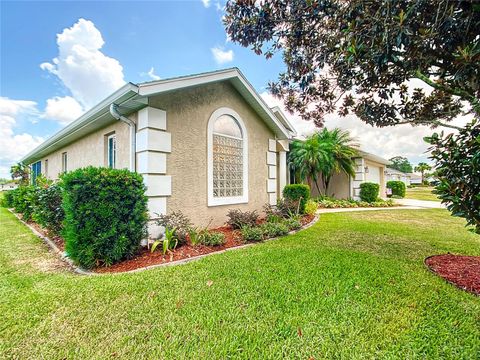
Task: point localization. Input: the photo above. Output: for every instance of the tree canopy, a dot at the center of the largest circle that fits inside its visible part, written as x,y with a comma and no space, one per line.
360,55
423,168
401,163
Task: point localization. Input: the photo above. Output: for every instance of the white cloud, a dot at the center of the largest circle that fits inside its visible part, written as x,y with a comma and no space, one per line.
63,109
14,146
405,140
222,56
152,74
206,3
88,73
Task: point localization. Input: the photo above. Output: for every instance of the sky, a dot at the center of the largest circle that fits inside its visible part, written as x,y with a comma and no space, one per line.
59,58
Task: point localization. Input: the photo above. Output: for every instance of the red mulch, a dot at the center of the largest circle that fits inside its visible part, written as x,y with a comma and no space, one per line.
146,258
461,271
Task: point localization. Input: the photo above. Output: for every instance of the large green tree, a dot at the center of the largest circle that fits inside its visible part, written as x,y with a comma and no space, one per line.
401,163
322,155
389,62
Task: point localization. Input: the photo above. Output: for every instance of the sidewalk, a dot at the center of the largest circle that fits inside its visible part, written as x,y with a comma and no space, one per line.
421,203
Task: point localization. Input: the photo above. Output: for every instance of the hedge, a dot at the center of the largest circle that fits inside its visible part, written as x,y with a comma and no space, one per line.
369,191
105,215
295,192
48,210
398,187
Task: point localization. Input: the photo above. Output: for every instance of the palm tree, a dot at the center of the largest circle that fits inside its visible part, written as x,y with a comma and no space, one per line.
422,167
323,153
341,153
21,172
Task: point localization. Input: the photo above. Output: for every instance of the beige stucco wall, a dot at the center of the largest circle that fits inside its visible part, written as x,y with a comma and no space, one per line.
188,112
338,188
91,150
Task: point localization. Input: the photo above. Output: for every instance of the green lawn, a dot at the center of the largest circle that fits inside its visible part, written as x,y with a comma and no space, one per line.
352,286
421,193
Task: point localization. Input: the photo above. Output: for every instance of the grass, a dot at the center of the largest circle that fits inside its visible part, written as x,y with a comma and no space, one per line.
421,193
352,286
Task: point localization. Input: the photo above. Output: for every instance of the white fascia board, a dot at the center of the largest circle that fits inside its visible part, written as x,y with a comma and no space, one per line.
84,120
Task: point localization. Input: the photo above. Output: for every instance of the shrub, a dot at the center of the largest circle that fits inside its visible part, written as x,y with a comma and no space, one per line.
284,209
7,199
238,219
398,188
274,229
311,207
24,200
177,221
252,233
369,191
293,223
212,238
105,215
299,193
48,210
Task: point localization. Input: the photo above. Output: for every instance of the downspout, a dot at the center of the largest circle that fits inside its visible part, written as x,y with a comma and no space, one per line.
132,126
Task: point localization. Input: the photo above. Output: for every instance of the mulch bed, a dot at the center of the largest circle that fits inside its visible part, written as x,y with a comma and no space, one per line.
461,271
146,258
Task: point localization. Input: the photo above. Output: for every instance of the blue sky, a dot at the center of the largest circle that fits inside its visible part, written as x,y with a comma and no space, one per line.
124,41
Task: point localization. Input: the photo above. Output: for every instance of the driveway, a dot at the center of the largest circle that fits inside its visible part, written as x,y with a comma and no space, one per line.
421,203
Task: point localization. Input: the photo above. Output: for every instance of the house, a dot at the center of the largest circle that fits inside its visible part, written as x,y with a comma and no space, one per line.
8,186
204,143
396,175
368,168
415,179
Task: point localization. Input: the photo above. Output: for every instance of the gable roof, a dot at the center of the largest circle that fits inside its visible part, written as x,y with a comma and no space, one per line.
372,157
132,97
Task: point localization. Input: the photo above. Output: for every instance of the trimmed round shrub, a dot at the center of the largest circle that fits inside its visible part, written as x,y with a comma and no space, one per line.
398,188
48,210
297,193
105,215
369,191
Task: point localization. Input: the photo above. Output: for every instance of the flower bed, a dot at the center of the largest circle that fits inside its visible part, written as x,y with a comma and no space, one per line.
330,203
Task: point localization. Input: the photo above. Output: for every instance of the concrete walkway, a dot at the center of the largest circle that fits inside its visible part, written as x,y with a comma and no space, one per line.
421,203
336,210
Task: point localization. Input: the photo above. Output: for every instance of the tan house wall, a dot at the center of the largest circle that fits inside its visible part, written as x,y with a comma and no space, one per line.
188,113
338,188
91,150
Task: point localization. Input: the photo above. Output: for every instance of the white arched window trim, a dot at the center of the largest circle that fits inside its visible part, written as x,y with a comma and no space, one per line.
216,201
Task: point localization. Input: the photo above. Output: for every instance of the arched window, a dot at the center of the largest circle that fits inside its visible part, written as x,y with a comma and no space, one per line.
227,159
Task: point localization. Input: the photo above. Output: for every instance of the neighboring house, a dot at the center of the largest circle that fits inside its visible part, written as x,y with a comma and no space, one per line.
204,143
415,179
8,186
369,168
396,175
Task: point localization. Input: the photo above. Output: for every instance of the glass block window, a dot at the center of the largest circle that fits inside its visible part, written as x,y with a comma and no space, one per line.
227,158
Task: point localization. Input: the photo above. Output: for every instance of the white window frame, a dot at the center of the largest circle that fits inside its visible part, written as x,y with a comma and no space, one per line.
217,201
112,136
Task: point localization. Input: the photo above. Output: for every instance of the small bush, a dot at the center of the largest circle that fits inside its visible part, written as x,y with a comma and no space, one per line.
284,209
177,221
252,233
48,210
398,188
24,200
7,199
311,207
212,238
105,215
238,219
297,193
293,223
274,229
369,191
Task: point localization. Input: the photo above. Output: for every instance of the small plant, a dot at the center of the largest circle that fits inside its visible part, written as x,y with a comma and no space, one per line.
238,219
7,200
212,238
169,242
311,207
398,188
252,233
369,191
293,223
178,221
274,229
298,193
